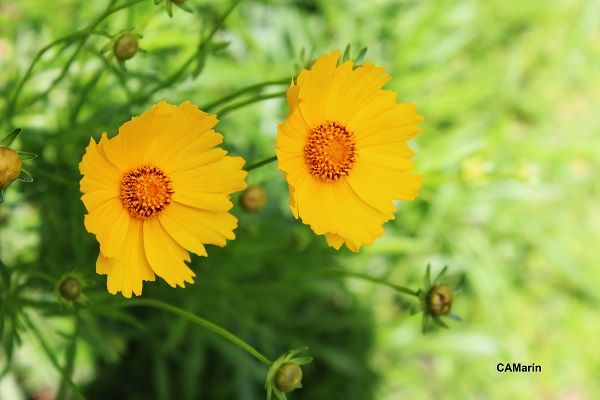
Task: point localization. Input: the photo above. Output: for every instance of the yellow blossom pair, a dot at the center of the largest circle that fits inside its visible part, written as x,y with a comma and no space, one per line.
159,188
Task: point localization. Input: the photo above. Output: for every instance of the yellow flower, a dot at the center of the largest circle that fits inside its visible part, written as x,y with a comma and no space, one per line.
155,190
343,151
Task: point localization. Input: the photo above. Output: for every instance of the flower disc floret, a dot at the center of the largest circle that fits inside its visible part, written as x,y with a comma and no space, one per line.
146,191
330,151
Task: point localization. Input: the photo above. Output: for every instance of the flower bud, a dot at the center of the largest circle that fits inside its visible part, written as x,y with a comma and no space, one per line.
126,47
440,300
10,166
253,199
70,288
288,377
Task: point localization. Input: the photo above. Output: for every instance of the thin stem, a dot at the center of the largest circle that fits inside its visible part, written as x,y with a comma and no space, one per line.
244,103
260,163
240,92
222,20
181,70
40,275
70,356
74,389
52,176
199,321
82,35
333,273
13,100
344,273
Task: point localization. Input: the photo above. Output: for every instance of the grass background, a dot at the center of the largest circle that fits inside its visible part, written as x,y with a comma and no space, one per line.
509,95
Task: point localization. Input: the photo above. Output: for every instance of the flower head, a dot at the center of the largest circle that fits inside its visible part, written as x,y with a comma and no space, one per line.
155,190
343,151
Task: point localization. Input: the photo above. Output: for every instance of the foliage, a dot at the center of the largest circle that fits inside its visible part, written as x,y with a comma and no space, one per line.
509,200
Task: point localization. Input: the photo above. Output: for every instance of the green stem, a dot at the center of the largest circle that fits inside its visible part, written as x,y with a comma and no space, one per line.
199,321
244,103
344,273
181,70
240,92
82,35
70,356
261,163
52,176
40,275
333,273
74,389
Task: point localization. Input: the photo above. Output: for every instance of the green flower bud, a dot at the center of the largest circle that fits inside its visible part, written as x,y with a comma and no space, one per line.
10,166
126,47
253,199
70,288
288,377
439,300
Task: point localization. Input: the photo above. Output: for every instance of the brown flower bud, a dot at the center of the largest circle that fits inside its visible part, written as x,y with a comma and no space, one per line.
10,166
440,300
126,47
253,199
288,377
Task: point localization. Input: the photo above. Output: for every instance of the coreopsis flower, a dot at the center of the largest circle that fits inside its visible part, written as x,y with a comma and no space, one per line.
156,191
343,151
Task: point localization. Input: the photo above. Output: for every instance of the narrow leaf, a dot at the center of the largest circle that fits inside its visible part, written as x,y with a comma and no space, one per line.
8,139
24,176
24,155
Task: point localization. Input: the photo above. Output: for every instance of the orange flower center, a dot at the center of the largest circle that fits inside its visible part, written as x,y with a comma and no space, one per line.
330,151
146,191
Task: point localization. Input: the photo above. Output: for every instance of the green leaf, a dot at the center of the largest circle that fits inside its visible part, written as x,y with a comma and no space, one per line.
439,321
346,55
441,275
185,7
24,155
360,58
8,139
169,8
427,280
24,176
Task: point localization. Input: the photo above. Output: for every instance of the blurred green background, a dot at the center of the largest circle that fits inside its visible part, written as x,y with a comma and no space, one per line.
509,92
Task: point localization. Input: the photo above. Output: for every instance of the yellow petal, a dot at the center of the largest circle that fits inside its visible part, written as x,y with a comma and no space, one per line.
314,88
97,170
208,227
165,255
292,96
109,222
180,231
390,126
334,208
334,240
126,274
368,179
223,176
